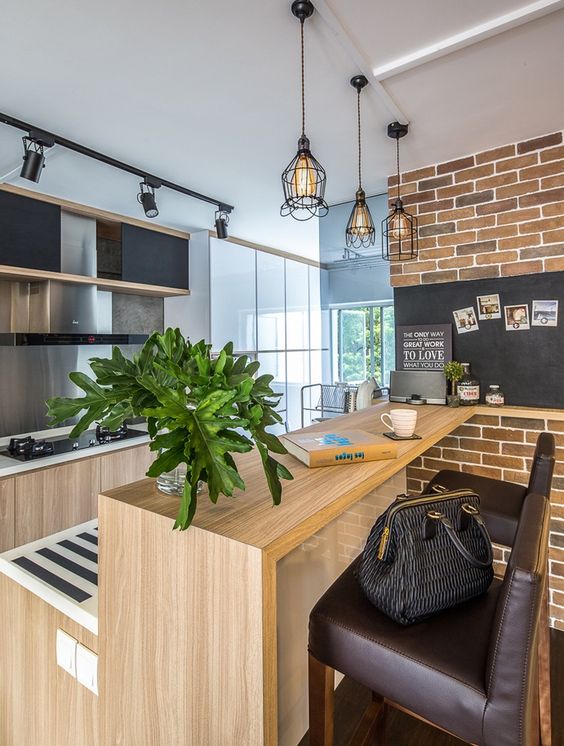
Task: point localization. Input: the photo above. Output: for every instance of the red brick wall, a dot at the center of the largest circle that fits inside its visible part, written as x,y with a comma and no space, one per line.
493,214
502,447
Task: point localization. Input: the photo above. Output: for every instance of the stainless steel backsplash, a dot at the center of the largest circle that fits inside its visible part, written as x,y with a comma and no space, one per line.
30,375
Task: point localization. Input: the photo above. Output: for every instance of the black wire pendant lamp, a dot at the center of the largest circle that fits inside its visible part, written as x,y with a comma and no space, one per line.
400,238
360,232
304,178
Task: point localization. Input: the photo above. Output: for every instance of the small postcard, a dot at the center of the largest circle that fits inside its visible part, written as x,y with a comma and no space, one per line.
489,307
516,318
544,313
465,320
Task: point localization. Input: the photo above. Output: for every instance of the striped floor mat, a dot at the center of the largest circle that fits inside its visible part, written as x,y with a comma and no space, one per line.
70,566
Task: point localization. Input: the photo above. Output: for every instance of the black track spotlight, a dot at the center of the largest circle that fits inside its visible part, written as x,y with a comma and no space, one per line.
221,222
34,156
146,196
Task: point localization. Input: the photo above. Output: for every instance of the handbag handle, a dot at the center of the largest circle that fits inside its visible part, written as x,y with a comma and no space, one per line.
433,517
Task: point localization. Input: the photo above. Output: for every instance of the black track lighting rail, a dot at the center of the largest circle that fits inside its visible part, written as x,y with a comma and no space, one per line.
50,138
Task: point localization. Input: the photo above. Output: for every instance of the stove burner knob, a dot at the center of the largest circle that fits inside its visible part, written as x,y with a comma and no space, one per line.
91,442
75,445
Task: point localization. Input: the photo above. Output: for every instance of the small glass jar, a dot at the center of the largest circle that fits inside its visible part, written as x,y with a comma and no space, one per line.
495,396
468,388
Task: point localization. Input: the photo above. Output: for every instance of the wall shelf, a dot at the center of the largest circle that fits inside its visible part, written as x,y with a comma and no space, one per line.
22,274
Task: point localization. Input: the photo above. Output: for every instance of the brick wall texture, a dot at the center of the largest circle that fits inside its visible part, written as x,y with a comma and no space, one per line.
502,447
493,214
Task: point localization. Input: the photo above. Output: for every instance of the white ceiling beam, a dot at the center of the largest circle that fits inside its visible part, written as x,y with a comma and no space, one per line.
10,170
467,38
363,66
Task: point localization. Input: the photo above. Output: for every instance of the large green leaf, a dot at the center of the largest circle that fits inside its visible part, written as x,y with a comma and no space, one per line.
200,410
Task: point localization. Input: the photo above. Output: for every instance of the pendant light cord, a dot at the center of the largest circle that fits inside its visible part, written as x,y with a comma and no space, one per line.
359,143
398,165
303,76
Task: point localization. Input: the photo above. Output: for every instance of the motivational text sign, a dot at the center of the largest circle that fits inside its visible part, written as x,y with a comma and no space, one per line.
426,347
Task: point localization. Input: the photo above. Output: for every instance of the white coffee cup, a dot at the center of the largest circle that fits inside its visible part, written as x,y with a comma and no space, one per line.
401,421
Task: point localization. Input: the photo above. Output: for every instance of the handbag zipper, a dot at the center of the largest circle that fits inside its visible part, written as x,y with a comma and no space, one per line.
420,500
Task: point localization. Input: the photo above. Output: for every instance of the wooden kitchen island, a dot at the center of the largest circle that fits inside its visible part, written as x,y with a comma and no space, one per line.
203,633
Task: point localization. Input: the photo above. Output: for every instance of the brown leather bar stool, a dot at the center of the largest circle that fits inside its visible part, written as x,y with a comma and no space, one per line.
500,505
471,671
501,502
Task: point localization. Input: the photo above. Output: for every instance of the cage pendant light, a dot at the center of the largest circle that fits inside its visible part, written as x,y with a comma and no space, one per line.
360,232
304,178
400,239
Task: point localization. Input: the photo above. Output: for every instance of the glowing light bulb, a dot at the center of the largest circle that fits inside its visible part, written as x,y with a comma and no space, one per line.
360,222
400,227
304,177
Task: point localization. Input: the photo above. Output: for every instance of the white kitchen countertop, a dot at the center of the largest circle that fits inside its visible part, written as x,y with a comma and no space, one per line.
70,561
10,466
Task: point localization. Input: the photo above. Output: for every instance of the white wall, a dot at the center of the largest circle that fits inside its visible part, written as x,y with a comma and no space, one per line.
191,313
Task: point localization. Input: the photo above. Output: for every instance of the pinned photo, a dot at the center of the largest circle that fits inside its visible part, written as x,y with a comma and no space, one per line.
489,307
516,318
544,313
465,320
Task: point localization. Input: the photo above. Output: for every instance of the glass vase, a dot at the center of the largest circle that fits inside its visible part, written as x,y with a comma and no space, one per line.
172,482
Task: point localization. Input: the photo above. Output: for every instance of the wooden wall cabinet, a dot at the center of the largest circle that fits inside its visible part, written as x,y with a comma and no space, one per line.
131,258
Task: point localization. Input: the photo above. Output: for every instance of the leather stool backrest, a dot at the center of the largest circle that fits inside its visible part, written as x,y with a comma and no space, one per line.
511,674
543,465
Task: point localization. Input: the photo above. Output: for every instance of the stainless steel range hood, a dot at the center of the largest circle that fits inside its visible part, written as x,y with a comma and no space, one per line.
57,313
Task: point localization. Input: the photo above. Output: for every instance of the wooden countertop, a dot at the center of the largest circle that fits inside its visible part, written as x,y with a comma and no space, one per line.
315,496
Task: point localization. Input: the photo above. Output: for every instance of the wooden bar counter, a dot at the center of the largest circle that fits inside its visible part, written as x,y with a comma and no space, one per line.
203,633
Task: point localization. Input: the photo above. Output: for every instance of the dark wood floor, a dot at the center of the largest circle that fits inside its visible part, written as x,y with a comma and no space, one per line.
402,730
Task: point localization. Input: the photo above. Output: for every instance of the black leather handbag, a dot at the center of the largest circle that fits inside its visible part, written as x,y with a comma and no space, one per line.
426,553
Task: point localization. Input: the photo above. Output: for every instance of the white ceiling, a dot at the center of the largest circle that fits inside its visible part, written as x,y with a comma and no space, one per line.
207,94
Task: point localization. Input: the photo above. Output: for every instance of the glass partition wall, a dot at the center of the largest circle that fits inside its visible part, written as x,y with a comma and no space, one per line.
269,306
357,299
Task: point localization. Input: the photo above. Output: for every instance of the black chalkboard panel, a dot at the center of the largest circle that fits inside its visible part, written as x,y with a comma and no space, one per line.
527,364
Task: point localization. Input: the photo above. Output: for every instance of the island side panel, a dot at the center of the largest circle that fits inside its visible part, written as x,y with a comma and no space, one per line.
40,703
180,633
303,576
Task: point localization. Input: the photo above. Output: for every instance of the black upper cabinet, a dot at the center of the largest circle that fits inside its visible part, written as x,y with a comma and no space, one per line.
30,233
154,258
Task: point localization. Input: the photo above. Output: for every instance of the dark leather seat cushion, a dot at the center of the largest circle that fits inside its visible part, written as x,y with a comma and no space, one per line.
431,667
500,502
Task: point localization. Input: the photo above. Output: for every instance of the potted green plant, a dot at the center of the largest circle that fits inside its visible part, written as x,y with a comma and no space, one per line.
453,372
200,409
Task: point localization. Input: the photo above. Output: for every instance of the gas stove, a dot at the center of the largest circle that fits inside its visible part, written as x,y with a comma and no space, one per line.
27,448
